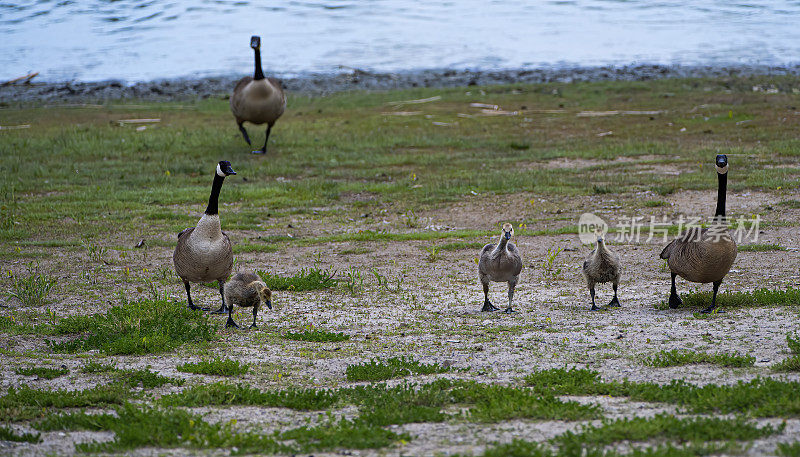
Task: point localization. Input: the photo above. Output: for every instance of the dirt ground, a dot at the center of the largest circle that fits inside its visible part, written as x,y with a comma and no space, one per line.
431,311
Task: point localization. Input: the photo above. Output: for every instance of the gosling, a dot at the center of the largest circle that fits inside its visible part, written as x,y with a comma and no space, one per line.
248,291
600,267
500,263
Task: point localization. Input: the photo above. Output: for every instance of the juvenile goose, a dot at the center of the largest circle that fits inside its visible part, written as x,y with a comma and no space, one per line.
600,267
500,263
703,255
258,99
246,290
204,253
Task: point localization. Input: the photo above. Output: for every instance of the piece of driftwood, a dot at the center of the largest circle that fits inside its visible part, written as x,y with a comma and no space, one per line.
23,79
137,121
415,102
15,127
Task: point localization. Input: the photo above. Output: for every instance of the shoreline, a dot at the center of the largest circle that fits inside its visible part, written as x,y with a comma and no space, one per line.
316,84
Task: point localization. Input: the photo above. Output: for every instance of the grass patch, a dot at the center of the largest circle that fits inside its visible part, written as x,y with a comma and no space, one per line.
136,328
395,367
761,397
42,372
306,279
758,297
318,336
680,357
145,378
667,426
23,396
655,203
33,289
7,434
98,367
239,394
791,363
788,449
758,247
215,367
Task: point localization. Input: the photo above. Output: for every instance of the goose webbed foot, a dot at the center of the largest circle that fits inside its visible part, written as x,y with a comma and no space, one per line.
194,307
222,310
231,323
509,310
614,303
253,325
260,151
488,307
713,309
595,308
675,301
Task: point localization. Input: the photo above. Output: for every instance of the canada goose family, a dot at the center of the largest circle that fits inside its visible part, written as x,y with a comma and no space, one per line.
704,255
500,263
204,253
246,290
257,99
600,267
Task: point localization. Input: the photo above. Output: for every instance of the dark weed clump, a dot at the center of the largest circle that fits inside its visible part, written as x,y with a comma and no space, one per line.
42,372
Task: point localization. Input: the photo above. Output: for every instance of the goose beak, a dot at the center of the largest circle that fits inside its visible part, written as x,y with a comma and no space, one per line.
255,42
722,160
508,235
269,304
228,170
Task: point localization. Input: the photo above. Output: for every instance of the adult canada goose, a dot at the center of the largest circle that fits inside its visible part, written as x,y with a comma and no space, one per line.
600,267
258,99
704,255
246,290
204,253
500,263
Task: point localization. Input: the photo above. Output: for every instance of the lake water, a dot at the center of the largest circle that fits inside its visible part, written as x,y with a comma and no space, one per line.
143,40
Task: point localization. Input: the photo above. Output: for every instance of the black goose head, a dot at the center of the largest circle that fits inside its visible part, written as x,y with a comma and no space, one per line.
255,42
224,169
722,164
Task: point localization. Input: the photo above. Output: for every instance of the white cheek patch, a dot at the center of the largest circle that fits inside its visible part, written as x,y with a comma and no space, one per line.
219,171
722,170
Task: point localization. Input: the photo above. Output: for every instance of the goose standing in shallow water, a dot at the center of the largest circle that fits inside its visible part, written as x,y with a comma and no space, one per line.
500,263
704,255
246,290
600,267
257,99
204,252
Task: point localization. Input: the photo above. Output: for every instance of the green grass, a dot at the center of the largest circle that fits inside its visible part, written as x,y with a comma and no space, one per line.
667,426
680,357
754,298
655,203
788,449
791,363
215,367
31,289
311,278
24,396
757,247
98,367
239,394
42,372
7,434
318,336
761,397
394,367
135,328
145,378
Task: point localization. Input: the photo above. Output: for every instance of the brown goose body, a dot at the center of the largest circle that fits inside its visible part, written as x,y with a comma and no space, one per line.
246,290
500,262
602,266
701,255
259,101
204,253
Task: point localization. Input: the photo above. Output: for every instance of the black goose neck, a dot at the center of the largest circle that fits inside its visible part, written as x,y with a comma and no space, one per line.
213,200
503,243
259,74
721,192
